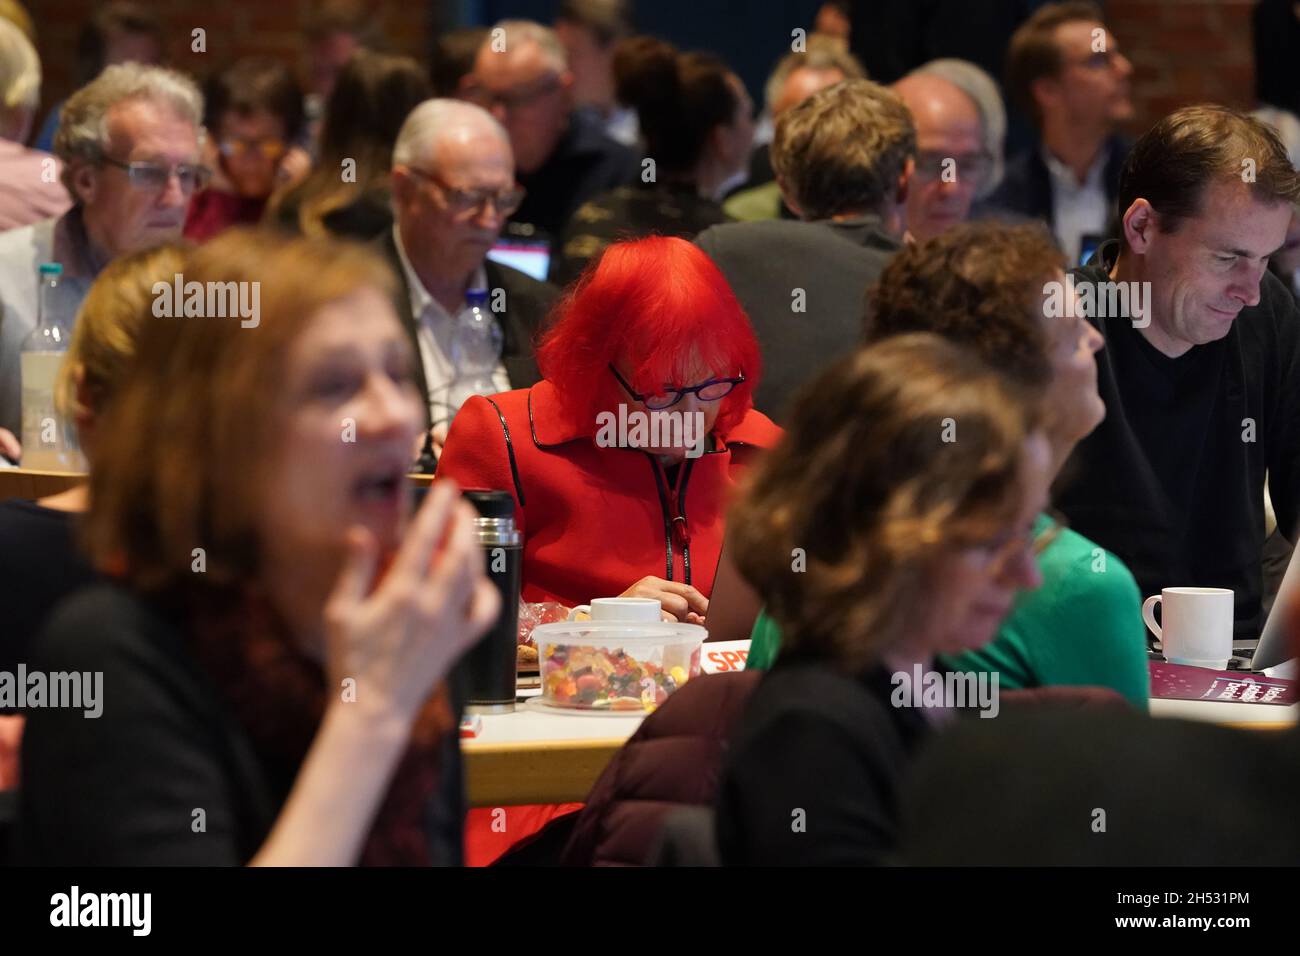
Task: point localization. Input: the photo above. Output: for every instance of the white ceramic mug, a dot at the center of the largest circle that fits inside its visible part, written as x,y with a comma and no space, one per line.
620,609
1197,625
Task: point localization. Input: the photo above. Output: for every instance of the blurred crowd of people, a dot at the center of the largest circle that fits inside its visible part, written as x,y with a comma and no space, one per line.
471,260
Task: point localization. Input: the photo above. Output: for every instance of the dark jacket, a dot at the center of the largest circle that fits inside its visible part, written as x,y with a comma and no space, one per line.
631,212
1103,789
1026,188
811,776
527,304
584,164
673,760
1172,481
803,285
40,565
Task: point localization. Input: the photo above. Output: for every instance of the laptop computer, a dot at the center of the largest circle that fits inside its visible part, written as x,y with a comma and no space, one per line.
1274,645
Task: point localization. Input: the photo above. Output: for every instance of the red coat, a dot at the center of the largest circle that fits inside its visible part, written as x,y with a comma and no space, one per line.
596,520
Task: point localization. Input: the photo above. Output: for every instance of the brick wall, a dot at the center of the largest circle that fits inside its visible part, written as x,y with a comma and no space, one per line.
1185,51
1182,50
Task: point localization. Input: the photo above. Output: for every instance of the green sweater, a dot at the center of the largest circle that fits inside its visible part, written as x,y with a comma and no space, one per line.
1082,627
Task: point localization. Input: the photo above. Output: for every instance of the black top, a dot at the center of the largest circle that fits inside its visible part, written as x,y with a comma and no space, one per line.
365,218
630,212
815,740
803,285
1026,790
39,566
584,164
893,37
123,788
1173,480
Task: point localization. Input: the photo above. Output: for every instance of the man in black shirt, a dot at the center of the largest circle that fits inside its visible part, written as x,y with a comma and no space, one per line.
1201,364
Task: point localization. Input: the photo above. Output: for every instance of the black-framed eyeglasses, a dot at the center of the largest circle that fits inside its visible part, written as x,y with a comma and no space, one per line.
464,201
154,176
710,391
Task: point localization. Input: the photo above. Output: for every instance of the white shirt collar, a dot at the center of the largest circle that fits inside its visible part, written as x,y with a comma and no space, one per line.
421,299
1063,176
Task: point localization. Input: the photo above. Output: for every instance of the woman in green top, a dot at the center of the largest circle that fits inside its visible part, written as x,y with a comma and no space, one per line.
989,287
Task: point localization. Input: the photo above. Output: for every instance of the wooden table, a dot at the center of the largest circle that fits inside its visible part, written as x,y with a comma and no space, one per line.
530,757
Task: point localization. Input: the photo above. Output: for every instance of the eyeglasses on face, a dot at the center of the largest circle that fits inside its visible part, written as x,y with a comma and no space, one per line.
932,165
239,148
155,176
1099,60
463,202
517,98
710,391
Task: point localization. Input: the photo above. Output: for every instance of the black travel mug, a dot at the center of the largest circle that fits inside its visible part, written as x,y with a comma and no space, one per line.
490,667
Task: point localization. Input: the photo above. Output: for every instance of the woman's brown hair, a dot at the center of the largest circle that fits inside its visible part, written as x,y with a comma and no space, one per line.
892,457
680,99
978,284
374,94
188,438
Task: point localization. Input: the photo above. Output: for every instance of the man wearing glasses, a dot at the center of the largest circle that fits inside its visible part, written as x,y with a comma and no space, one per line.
130,146
953,162
1065,71
521,76
453,189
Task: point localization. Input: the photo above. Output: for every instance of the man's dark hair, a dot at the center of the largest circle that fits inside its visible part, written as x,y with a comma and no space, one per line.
251,85
120,16
453,58
1175,160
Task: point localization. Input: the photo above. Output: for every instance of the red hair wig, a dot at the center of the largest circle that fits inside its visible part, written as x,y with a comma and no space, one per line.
660,310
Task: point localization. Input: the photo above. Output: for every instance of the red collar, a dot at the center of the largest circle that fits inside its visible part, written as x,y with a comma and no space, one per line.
552,424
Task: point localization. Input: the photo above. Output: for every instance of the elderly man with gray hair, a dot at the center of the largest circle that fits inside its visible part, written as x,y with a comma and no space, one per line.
130,145
521,75
958,148
453,185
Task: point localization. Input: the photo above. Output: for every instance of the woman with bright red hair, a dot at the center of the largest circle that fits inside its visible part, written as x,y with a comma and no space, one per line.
623,459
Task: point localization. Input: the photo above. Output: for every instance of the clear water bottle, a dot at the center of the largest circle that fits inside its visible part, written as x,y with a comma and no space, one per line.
476,343
49,441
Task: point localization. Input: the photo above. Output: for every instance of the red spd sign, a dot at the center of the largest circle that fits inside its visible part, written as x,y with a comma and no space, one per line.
724,656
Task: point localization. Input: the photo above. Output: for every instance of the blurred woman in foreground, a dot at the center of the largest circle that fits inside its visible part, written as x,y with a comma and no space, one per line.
264,700
908,482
